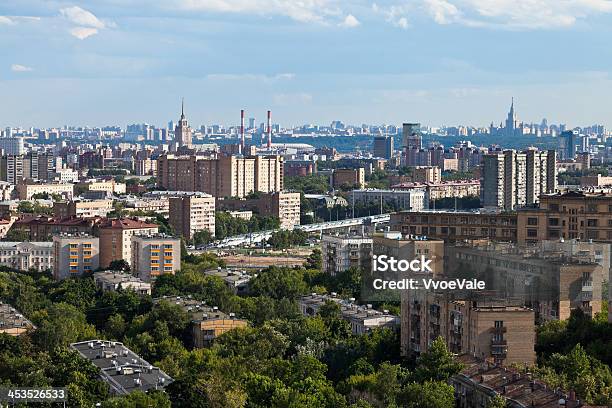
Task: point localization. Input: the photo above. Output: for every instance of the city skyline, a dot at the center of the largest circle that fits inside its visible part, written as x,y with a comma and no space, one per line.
441,62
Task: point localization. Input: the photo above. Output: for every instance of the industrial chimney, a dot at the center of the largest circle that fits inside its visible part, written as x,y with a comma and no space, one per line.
242,131
269,130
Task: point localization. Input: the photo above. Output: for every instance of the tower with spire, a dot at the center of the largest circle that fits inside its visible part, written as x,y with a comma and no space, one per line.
511,121
182,131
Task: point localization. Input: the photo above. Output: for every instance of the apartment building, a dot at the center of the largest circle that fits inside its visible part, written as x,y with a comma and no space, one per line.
27,189
551,284
353,178
112,281
383,147
409,200
116,238
207,322
192,212
362,318
42,228
484,327
443,189
340,252
283,205
225,176
108,186
426,174
155,255
454,226
511,179
394,244
572,215
74,255
82,208
26,256
12,322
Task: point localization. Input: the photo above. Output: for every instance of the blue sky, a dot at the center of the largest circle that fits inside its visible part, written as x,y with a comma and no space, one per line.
440,62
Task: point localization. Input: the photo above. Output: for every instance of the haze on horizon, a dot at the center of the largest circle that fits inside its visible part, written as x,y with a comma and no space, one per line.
439,62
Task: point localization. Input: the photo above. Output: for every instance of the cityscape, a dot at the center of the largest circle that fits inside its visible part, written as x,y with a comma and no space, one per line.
363,261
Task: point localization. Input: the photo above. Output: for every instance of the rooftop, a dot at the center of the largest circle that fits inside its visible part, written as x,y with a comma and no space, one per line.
197,309
121,368
11,321
126,223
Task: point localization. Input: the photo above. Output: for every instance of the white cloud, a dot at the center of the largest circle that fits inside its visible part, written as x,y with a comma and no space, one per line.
350,21
287,99
6,20
299,10
395,14
81,17
83,32
21,68
442,11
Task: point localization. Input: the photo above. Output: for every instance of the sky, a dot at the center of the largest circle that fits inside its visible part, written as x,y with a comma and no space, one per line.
437,62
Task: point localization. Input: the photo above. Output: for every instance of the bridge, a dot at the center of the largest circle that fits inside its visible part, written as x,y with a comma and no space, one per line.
258,237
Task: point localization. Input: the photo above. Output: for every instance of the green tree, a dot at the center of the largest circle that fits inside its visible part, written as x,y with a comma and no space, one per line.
430,394
497,402
60,325
436,364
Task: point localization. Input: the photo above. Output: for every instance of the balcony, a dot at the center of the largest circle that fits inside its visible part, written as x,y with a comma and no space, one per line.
499,342
497,330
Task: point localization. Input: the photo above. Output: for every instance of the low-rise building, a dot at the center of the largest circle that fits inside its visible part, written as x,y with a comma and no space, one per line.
115,238
155,255
109,186
158,205
363,319
12,322
42,228
402,200
480,381
443,189
123,370
242,214
208,322
426,174
28,189
82,208
74,255
112,281
340,252
26,256
236,281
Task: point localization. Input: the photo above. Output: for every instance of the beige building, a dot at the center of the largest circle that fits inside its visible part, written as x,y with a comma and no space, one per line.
26,256
243,215
110,186
82,208
74,255
595,181
283,205
112,281
393,244
550,284
145,167
115,238
489,329
427,174
192,212
348,177
12,322
27,190
155,255
225,176
444,189
208,322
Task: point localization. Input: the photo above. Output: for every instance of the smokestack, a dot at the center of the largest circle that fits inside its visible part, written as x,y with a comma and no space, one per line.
242,131
269,130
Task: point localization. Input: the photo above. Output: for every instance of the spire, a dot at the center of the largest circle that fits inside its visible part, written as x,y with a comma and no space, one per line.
183,108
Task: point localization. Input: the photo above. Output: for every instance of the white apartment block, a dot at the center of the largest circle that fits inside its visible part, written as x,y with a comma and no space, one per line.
27,255
342,252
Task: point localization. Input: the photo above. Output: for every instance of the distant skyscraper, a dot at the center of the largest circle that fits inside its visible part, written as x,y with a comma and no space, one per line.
182,131
411,137
567,144
251,123
511,121
383,146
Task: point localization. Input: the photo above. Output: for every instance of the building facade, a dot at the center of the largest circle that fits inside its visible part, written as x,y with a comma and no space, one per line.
342,252
74,255
116,238
155,255
190,213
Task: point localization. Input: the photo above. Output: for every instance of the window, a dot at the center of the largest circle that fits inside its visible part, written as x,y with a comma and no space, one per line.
591,222
499,324
532,233
532,221
553,222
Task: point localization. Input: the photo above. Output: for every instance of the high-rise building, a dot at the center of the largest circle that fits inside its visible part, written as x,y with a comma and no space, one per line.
283,205
190,213
511,121
182,131
511,179
348,177
567,144
155,255
339,253
115,238
12,145
412,141
226,176
74,254
383,146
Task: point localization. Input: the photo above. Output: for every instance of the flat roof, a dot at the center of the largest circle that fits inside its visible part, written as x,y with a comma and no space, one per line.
10,318
122,369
